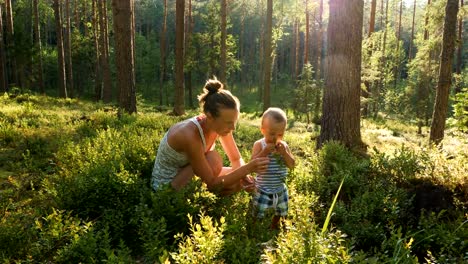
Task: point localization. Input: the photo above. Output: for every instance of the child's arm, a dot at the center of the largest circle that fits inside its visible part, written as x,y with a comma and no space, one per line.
283,149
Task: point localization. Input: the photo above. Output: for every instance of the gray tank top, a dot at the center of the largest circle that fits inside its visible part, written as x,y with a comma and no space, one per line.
168,161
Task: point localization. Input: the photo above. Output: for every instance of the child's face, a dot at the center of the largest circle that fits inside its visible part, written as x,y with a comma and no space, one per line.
273,131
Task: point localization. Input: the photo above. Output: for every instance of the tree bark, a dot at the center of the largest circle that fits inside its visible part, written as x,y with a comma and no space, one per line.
410,49
396,69
62,80
162,50
445,73
179,100
341,101
68,50
3,72
458,87
188,44
306,40
123,14
268,58
222,74
10,44
37,44
298,46
366,93
104,52
97,65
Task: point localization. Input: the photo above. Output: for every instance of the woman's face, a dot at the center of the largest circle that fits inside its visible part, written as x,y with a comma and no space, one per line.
225,123
273,131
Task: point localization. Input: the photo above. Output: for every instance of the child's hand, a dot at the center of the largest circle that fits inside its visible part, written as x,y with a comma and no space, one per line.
281,147
269,148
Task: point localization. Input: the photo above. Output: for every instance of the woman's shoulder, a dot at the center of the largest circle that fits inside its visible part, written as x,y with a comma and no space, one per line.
183,133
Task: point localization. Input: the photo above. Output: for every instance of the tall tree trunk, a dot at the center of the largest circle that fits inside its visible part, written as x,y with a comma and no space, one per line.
445,73
188,44
10,43
396,69
242,57
97,65
68,50
222,74
104,44
85,17
179,100
341,106
162,50
306,40
410,49
318,73
37,44
123,14
62,80
366,93
459,49
298,46
76,14
422,93
383,64
268,55
3,71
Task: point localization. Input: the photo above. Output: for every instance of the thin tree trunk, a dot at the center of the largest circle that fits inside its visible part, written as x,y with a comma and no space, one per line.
188,44
341,106
222,74
376,95
106,74
37,43
162,50
97,65
62,80
366,93
3,72
242,57
298,46
318,74
410,49
459,50
268,55
306,41
445,73
85,17
68,50
10,43
396,69
422,86
179,108
123,14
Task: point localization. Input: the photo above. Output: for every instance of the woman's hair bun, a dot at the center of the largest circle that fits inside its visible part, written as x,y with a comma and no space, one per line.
213,86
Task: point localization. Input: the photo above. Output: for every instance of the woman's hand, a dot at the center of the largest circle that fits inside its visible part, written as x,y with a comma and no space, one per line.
259,165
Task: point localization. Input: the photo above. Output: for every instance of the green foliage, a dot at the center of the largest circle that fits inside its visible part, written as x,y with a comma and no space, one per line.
308,94
460,109
74,185
204,243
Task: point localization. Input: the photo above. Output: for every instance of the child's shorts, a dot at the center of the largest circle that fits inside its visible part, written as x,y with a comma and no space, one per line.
277,201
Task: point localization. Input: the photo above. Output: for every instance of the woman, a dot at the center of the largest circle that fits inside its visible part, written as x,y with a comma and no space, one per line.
187,149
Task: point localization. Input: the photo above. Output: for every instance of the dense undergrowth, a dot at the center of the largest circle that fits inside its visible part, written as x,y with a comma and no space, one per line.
74,188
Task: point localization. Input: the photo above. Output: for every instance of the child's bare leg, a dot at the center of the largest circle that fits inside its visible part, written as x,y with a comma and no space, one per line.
275,222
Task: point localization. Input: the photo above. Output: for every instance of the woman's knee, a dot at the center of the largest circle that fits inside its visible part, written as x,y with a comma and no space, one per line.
215,160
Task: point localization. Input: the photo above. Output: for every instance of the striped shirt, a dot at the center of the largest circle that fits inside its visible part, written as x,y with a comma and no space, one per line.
272,181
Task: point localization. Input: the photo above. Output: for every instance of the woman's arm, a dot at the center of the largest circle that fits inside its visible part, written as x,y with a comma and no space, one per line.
202,168
230,148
